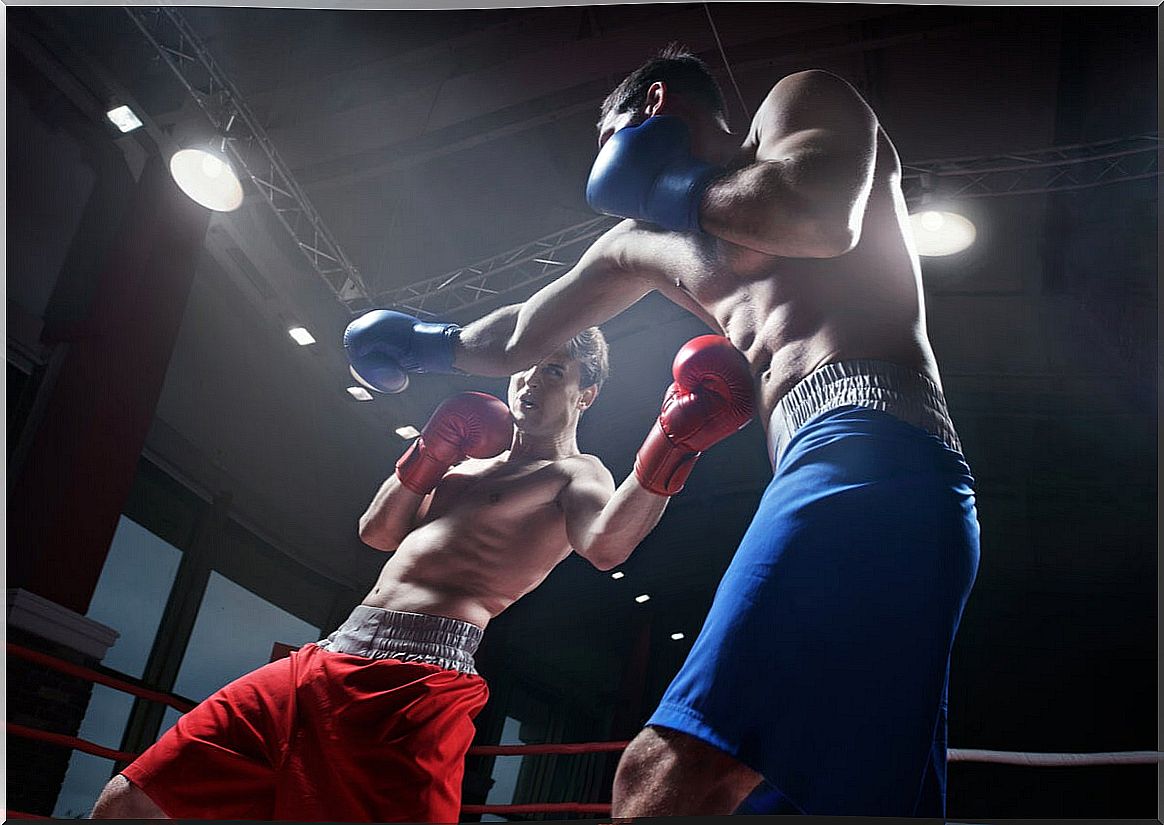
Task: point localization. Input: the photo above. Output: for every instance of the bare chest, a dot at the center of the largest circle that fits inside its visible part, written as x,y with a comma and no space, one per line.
499,496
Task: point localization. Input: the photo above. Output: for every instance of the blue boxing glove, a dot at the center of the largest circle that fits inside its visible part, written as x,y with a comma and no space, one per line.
646,172
383,346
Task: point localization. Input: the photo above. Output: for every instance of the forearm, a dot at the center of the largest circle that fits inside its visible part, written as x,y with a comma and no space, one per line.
485,347
391,515
763,207
596,289
624,522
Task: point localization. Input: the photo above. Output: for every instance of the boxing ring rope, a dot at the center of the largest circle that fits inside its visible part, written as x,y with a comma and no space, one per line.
1018,758
70,669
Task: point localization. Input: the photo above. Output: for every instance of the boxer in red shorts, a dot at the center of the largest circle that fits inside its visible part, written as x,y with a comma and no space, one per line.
373,722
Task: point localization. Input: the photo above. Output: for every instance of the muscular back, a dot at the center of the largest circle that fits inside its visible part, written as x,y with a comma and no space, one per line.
491,532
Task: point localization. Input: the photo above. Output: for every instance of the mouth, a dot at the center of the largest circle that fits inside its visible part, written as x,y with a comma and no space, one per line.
527,403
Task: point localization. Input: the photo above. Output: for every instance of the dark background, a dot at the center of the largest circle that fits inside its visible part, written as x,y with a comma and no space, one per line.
428,141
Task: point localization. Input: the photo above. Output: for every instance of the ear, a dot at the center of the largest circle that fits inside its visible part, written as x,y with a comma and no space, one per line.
587,397
656,98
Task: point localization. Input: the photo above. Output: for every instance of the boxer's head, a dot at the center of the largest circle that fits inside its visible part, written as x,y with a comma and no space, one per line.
675,83
554,392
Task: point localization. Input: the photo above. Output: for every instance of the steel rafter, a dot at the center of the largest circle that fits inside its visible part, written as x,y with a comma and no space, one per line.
1057,169
445,295
246,142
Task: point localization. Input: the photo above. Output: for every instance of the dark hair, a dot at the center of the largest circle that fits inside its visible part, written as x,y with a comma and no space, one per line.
589,349
682,71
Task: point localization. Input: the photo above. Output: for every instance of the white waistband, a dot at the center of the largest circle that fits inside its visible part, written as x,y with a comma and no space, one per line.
376,633
878,385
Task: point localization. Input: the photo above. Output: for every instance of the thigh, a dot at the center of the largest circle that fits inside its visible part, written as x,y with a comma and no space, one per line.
380,740
822,663
219,760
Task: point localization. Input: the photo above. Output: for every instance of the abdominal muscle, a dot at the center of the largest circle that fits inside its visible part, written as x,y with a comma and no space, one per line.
463,567
791,316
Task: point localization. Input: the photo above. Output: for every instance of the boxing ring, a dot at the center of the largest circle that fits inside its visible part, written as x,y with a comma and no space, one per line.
597,809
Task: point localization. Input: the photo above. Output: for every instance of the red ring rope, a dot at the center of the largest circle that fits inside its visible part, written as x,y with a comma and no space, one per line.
51,662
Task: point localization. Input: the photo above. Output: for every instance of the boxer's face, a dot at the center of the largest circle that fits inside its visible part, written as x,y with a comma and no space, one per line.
546,396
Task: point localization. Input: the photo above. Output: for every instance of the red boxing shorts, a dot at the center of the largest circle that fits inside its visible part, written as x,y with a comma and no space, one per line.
370,724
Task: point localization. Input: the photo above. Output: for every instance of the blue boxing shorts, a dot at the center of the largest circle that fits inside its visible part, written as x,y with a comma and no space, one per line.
824,661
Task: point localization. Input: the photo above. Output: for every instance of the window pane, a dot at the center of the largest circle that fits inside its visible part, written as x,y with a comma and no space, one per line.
505,771
132,592
130,597
233,634
104,724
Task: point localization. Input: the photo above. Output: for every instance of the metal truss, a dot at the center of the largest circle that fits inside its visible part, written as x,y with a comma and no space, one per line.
1059,169
246,142
1056,169
445,295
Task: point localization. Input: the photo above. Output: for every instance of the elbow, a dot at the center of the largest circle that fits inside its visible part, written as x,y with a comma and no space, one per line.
376,539
836,240
604,557
830,237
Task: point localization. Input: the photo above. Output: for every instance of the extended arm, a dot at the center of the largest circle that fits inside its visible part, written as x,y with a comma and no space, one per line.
600,286
805,195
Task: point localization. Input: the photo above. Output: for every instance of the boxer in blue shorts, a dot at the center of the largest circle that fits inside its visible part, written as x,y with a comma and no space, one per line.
830,634
820,675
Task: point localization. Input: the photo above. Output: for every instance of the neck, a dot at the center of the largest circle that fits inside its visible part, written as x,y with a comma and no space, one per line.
549,447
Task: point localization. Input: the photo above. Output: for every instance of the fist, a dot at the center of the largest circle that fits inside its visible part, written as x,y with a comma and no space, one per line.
712,395
711,398
468,425
647,172
383,346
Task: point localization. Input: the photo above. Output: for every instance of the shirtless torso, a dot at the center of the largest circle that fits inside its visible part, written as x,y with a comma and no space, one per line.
790,316
490,533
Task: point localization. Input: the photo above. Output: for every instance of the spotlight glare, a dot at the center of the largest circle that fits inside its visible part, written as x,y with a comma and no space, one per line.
941,233
207,178
124,119
359,393
302,337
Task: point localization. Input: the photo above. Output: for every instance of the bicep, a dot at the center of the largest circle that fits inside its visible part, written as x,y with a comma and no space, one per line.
583,499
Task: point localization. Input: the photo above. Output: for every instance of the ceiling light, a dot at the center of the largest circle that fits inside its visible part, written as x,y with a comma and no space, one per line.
939,232
642,598
302,337
676,637
123,118
208,178
617,574
359,393
407,431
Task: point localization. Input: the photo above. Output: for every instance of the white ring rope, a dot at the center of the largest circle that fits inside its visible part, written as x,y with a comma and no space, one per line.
1043,760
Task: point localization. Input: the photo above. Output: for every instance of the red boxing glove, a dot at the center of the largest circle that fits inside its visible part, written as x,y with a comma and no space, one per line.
711,398
470,424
